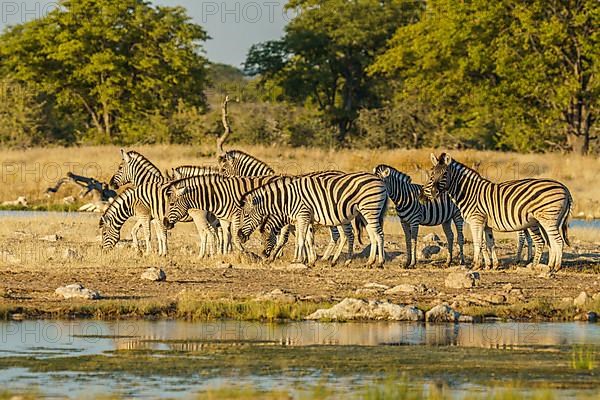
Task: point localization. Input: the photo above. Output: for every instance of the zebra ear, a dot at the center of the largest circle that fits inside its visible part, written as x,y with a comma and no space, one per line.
434,160
101,223
446,159
385,172
181,191
124,155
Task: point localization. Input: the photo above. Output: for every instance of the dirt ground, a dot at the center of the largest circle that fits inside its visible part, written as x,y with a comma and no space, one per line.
33,266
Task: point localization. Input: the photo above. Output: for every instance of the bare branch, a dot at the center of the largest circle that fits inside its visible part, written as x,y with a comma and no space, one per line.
226,126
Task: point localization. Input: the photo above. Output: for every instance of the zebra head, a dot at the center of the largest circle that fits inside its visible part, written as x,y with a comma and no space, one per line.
110,234
437,181
123,174
253,214
178,208
136,169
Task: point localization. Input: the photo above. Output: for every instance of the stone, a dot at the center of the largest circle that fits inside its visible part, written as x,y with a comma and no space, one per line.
20,201
365,292
77,291
296,267
430,250
377,286
466,319
442,313
581,299
69,200
50,238
462,280
402,289
154,274
279,295
356,309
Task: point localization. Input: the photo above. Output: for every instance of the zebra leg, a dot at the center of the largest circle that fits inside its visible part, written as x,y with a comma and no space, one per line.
310,245
539,243
134,232
520,243
334,235
555,242
489,240
161,237
147,235
349,232
408,240
459,223
226,245
414,234
375,232
447,227
301,230
281,241
477,233
529,244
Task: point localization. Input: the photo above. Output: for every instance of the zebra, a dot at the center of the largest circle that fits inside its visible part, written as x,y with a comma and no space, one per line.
124,206
412,213
541,205
217,194
238,163
187,171
326,200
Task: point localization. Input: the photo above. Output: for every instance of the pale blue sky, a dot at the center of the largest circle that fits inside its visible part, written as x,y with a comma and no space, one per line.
234,25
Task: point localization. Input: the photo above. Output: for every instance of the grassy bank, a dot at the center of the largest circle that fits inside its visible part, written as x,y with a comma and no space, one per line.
29,172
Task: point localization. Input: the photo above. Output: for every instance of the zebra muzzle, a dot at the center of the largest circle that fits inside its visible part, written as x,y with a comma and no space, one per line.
168,224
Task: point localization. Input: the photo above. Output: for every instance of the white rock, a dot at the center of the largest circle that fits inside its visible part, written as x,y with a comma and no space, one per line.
69,200
442,313
279,295
372,285
50,238
402,289
154,274
77,291
581,299
20,201
462,280
356,309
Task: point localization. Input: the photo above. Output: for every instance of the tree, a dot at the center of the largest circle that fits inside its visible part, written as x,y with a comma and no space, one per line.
503,74
324,54
20,115
119,60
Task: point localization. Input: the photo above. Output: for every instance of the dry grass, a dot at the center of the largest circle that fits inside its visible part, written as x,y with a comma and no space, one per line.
30,172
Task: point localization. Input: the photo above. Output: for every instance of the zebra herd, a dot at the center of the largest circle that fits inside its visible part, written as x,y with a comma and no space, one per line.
227,203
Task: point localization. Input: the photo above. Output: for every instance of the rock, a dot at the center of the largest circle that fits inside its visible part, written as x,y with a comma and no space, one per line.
377,286
296,267
442,313
154,274
462,280
466,318
69,200
51,238
278,295
402,289
356,309
20,201
77,291
70,254
9,258
430,250
581,299
431,237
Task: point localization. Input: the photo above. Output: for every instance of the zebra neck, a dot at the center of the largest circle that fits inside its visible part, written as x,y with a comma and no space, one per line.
464,185
406,194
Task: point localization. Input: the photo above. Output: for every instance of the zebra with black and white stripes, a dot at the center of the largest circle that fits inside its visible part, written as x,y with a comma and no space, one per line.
187,171
217,194
325,200
412,213
541,205
124,206
238,163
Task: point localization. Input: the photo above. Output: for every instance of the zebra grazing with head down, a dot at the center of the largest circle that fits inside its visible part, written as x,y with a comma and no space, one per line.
238,163
326,200
412,213
139,171
541,205
217,194
123,207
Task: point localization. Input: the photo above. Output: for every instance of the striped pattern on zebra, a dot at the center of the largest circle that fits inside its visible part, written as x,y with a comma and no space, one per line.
542,205
238,163
123,207
217,194
325,200
187,171
412,213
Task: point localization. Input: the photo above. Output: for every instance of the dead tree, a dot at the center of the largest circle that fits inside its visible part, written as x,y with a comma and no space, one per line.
87,185
224,119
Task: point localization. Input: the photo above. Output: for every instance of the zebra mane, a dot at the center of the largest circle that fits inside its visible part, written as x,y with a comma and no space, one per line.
235,154
145,163
394,173
458,166
116,204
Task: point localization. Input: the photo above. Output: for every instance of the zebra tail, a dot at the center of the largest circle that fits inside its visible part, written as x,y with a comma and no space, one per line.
565,222
358,224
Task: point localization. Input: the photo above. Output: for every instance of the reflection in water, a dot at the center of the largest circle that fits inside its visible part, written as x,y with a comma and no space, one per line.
51,338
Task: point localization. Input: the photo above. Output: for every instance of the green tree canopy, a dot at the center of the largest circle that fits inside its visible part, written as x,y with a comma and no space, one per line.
325,51
114,61
505,74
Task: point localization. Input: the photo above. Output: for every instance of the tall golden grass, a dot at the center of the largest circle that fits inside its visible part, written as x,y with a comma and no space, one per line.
29,172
